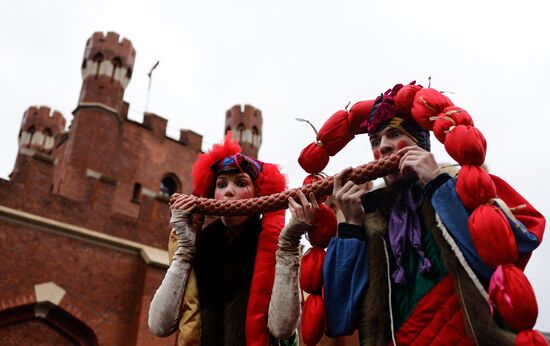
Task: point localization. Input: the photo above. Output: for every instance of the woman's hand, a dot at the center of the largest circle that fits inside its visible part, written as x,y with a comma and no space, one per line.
181,207
305,211
183,202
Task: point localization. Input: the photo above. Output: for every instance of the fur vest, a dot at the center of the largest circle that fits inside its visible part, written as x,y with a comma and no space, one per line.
375,325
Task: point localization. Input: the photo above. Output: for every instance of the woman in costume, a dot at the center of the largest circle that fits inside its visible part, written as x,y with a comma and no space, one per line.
218,287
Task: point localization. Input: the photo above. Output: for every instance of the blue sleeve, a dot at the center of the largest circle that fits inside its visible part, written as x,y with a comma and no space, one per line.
454,216
345,275
526,240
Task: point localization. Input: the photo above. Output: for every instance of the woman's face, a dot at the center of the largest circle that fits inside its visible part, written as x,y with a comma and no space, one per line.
234,186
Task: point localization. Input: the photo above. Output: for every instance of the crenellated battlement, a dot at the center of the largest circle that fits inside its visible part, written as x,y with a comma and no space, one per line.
109,55
158,124
39,128
42,118
111,47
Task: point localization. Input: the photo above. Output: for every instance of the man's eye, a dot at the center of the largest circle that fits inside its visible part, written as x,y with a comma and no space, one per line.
221,184
242,183
395,134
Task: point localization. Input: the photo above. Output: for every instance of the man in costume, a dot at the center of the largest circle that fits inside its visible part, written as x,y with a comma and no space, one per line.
430,258
218,286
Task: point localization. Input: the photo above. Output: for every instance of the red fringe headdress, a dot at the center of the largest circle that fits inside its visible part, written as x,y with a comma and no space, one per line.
270,181
487,196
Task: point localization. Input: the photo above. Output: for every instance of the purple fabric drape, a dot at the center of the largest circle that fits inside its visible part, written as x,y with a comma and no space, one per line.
403,227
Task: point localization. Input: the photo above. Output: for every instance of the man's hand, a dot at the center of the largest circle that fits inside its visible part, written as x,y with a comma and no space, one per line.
419,162
348,198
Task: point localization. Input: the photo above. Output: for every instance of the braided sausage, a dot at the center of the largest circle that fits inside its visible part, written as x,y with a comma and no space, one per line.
277,201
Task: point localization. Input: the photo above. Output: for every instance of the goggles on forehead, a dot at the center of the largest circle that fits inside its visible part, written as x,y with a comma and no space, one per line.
238,163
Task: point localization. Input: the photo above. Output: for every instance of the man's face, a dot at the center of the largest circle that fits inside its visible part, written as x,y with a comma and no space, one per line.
388,141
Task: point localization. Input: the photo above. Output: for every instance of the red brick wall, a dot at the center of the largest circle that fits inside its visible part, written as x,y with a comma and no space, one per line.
108,289
34,332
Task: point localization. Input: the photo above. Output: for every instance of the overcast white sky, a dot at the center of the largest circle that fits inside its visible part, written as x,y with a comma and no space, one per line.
306,59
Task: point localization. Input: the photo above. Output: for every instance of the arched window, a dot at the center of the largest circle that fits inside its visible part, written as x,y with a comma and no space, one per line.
240,132
255,136
117,63
137,192
31,130
98,58
48,140
168,186
56,324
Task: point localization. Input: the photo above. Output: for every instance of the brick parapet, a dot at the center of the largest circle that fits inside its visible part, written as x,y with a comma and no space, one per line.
42,118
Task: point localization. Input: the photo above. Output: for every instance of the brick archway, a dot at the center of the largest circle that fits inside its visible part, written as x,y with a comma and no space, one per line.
44,321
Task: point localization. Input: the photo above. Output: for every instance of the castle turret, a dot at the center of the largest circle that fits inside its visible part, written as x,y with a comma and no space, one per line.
99,116
246,125
39,128
106,70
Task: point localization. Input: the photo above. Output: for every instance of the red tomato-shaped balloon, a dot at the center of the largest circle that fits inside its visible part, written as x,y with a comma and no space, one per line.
313,319
474,186
514,297
466,145
313,158
450,117
311,270
492,236
324,228
428,103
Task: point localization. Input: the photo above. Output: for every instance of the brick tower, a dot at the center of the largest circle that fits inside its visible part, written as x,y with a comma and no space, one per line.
40,129
246,125
99,115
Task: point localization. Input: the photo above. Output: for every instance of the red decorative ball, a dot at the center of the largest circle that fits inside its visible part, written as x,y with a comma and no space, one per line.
474,186
531,338
492,236
428,103
311,270
514,297
313,319
404,99
466,145
312,178
313,158
335,133
324,228
451,116
358,113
